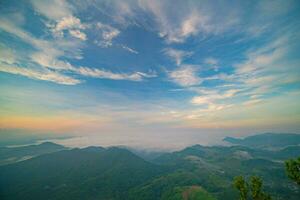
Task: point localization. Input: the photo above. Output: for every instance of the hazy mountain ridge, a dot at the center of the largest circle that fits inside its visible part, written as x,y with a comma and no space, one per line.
267,140
15,154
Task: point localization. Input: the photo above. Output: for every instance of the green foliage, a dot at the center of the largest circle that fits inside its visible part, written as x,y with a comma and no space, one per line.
240,184
256,185
293,169
255,188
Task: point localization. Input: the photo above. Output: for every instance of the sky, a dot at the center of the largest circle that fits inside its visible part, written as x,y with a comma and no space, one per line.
157,74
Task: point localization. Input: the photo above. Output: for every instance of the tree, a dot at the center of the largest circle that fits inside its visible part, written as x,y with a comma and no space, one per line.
293,169
255,188
242,186
255,185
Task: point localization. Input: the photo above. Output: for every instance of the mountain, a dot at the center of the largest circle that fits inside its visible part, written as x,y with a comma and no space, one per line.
213,168
15,154
267,140
196,172
90,173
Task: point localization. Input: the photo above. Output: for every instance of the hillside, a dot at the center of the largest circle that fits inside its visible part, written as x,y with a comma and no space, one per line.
213,168
90,173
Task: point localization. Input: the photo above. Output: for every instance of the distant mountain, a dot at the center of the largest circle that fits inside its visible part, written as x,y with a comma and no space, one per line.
24,137
267,140
89,173
15,154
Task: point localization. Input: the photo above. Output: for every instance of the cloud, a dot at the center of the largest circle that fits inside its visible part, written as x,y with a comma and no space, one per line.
252,102
266,70
70,24
190,26
185,75
97,73
46,58
107,34
193,19
61,18
129,49
165,20
51,63
52,9
211,61
46,75
173,29
78,34
200,100
7,55
270,65
211,97
196,18
177,55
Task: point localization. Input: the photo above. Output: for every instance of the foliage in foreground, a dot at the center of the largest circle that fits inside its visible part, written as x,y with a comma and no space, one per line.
292,167
255,187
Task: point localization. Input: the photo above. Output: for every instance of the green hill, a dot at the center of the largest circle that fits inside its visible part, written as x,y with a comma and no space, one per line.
76,174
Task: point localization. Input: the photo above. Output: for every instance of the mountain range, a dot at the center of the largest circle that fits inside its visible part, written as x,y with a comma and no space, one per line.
197,172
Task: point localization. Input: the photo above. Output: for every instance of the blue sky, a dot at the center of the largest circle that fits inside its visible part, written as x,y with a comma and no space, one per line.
128,71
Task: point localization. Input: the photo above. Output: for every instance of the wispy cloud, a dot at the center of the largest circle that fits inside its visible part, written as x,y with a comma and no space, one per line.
196,18
97,73
264,72
269,66
54,10
44,61
209,97
177,55
40,74
211,61
185,75
129,49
